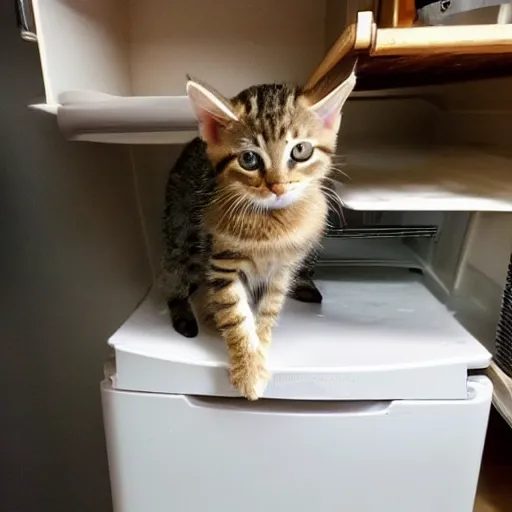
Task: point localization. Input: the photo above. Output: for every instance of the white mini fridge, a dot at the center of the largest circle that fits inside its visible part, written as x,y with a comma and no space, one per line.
376,403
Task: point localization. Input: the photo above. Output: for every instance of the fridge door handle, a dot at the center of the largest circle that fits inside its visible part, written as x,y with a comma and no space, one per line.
292,407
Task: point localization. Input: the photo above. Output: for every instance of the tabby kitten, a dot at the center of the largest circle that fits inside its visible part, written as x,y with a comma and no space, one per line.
245,211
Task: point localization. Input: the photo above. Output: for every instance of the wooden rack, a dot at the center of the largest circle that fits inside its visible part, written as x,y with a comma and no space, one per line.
398,57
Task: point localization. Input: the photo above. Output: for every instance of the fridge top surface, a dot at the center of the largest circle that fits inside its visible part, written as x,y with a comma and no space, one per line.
375,336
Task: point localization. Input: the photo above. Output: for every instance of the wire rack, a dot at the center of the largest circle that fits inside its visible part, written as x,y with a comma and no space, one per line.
352,224
503,355
384,232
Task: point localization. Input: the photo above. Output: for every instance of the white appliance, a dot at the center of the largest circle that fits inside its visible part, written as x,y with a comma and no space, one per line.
378,399
370,403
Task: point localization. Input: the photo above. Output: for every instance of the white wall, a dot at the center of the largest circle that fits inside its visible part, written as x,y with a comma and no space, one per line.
152,165
73,266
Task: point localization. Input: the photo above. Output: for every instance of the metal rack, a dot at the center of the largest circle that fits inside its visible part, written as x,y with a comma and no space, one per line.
346,223
377,231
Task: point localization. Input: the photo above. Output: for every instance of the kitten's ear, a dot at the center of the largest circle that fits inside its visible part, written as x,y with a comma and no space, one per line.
329,107
212,110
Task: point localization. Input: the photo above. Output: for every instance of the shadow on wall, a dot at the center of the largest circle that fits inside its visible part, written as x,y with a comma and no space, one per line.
73,267
152,165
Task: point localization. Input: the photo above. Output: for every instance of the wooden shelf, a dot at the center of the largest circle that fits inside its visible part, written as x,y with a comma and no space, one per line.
404,57
427,178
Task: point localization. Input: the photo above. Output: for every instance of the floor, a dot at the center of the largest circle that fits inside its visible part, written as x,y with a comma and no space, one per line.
495,488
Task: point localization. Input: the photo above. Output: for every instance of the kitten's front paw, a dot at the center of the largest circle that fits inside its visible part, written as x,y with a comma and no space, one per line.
250,375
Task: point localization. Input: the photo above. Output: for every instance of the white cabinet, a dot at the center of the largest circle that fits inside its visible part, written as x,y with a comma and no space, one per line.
369,404
176,452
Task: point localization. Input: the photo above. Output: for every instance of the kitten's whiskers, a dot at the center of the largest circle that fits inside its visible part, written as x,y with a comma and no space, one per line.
334,199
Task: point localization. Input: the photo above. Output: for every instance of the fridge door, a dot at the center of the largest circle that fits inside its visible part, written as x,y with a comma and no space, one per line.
182,453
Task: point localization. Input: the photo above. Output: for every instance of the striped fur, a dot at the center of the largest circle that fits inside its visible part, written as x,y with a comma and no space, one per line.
225,228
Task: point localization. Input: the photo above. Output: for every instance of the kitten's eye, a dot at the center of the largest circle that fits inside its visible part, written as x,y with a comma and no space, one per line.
302,151
249,160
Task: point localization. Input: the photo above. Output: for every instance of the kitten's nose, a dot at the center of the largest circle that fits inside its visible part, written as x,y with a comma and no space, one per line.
278,188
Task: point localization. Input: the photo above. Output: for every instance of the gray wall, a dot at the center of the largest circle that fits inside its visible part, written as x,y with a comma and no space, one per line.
73,266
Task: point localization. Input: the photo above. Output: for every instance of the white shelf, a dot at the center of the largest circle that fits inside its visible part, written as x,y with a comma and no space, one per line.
140,52
89,115
376,336
99,117
426,178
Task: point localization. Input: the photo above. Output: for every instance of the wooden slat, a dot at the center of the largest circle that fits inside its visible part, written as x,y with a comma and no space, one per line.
379,73
463,39
341,48
357,38
396,57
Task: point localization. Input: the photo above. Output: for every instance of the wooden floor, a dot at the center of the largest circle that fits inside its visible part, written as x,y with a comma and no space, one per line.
495,488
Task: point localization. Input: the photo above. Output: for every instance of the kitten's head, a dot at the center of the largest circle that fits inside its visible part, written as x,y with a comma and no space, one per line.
270,142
